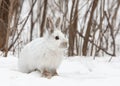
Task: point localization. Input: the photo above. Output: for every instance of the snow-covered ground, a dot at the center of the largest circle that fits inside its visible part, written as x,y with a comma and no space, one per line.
76,71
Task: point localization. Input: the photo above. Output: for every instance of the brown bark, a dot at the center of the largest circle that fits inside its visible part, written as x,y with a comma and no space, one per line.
73,27
13,9
4,11
87,34
43,18
32,24
3,31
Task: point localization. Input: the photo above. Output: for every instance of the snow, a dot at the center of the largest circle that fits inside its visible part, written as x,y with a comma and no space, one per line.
74,71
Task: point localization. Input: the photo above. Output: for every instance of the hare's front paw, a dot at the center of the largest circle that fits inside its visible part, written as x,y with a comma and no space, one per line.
49,74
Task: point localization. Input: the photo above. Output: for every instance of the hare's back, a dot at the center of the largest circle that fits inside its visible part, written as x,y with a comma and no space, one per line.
32,49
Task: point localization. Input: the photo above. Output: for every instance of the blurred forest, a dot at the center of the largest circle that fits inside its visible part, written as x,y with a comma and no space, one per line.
92,26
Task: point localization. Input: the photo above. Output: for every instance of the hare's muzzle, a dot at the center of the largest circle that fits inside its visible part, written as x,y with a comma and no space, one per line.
63,45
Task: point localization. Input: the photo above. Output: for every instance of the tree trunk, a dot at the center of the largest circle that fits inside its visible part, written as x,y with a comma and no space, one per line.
32,24
87,34
4,12
43,18
73,27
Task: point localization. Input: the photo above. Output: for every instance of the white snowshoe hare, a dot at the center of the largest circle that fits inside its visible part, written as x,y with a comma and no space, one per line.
44,54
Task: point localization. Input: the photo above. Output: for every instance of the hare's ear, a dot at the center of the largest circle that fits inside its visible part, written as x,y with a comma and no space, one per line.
49,25
57,22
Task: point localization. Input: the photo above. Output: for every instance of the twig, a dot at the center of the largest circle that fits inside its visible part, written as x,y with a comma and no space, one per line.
80,34
112,32
22,26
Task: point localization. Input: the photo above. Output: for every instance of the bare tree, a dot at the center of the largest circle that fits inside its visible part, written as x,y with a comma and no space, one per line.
4,15
87,35
43,18
100,18
32,23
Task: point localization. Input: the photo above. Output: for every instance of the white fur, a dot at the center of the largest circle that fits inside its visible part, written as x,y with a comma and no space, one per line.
42,53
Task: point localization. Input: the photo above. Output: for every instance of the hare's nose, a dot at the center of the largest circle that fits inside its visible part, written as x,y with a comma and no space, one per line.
63,45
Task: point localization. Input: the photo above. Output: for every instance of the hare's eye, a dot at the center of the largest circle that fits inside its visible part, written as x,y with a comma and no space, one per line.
57,37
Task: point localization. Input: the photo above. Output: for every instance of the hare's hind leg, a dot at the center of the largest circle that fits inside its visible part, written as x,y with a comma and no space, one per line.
49,73
46,74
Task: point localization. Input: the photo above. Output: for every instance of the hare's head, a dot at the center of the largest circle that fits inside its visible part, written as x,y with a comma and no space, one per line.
55,34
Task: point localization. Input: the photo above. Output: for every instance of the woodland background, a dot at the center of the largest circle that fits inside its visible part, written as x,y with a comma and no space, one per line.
92,26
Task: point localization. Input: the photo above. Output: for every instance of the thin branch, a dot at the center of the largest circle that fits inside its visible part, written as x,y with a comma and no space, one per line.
22,26
112,31
80,34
